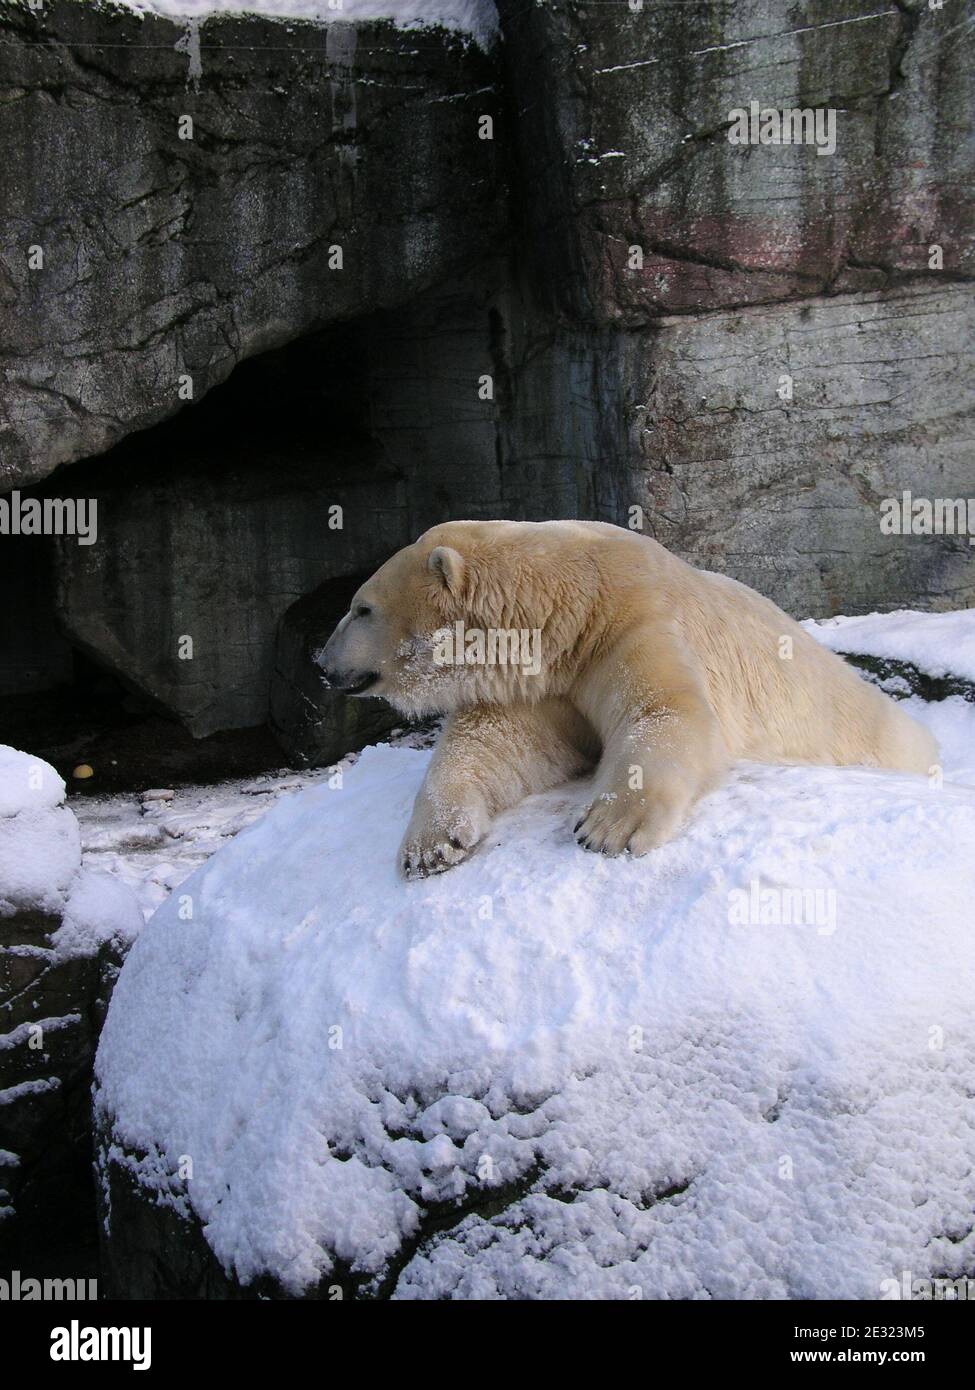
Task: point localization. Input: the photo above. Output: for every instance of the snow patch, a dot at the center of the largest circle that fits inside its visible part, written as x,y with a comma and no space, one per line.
27,783
100,909
477,18
41,865
152,844
40,852
940,644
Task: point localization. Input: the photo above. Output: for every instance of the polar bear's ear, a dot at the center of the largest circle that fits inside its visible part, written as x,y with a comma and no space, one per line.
449,564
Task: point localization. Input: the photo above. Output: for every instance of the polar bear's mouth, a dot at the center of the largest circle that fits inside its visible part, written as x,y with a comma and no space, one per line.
361,684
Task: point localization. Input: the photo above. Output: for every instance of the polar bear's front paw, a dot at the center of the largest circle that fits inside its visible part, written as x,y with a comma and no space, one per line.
432,845
618,821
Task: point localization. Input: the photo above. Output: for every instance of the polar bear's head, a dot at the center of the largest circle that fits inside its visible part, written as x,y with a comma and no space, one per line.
461,617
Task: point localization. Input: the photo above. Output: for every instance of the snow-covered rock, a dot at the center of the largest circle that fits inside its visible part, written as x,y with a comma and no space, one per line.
476,18
27,783
41,873
63,930
939,644
40,853
741,1067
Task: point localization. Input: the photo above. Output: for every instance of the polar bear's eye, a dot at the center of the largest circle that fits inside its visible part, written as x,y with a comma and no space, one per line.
362,610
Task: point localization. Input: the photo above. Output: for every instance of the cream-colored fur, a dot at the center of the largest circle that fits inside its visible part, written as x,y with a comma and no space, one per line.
659,673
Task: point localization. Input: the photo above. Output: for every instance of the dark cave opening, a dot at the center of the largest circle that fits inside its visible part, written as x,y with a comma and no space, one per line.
85,678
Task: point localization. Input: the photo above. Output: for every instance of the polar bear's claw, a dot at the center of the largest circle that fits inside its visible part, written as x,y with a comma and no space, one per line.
424,861
430,847
615,824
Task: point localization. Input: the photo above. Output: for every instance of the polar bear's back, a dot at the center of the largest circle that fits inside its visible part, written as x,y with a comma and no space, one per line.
785,695
779,695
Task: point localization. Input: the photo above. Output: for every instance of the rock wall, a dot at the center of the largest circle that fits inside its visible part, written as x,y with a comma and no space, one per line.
788,356
607,309
626,143
172,249
311,464
786,495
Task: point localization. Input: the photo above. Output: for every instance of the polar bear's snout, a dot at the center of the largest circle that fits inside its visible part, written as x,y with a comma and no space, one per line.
339,667
349,683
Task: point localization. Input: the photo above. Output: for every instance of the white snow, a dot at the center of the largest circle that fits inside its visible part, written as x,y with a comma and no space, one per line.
153,845
99,908
24,1031
478,18
40,850
41,873
40,853
744,1109
940,644
41,863
27,783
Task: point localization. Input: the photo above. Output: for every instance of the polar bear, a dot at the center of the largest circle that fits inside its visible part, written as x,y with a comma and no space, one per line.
558,646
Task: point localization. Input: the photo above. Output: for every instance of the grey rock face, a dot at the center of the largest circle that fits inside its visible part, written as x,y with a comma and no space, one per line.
785,494
313,464
622,131
183,595
698,275
167,257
